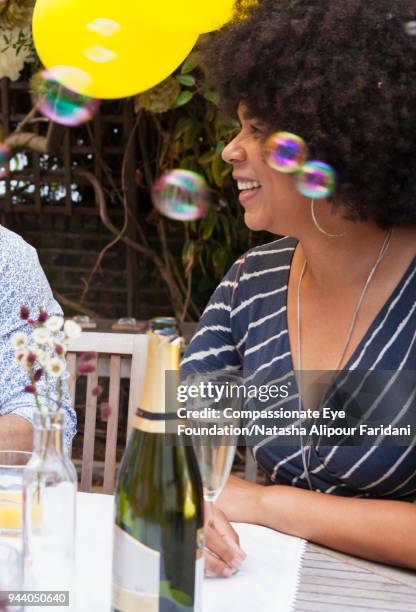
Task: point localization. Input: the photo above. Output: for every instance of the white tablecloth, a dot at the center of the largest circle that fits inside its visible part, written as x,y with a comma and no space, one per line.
266,582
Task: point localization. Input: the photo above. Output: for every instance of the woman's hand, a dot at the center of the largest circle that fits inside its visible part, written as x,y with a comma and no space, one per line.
223,555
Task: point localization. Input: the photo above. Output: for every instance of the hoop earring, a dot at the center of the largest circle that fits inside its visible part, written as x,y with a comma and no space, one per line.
319,227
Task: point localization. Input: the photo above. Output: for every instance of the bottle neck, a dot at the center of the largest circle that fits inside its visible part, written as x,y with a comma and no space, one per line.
158,399
48,433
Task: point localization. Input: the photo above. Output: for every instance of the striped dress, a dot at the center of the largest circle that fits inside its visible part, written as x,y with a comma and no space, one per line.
245,327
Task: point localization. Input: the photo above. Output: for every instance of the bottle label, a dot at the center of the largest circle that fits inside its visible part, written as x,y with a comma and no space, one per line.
149,425
136,574
153,422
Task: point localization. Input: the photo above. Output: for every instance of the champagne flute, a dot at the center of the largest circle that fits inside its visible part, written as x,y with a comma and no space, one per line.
215,425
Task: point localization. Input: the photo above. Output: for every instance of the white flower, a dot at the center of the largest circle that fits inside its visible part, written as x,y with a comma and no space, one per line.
54,323
42,357
41,335
19,340
11,64
55,366
72,329
21,356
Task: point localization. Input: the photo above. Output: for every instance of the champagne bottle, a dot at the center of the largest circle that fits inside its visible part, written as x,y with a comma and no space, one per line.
158,531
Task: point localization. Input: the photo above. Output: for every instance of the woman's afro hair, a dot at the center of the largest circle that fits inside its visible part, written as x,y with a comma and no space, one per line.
342,75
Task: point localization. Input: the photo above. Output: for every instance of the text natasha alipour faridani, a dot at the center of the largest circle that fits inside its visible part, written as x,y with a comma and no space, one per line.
259,429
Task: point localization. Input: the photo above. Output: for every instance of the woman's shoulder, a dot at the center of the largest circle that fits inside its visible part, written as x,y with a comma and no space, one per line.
279,251
14,250
255,267
23,282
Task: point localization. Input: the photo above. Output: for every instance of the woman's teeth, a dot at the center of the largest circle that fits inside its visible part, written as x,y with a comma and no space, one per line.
247,185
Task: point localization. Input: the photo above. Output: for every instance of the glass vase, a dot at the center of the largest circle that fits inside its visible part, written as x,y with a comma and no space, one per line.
49,501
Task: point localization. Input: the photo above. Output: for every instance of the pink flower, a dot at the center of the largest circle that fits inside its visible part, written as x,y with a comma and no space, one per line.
105,410
97,391
31,321
30,389
38,374
86,368
43,316
24,312
87,356
31,358
59,349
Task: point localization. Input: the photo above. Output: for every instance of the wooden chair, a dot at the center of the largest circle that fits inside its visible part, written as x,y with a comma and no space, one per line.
118,356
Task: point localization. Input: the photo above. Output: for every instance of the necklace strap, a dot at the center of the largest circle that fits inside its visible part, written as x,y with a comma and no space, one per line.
363,292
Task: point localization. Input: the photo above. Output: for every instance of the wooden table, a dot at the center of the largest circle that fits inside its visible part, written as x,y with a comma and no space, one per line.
334,582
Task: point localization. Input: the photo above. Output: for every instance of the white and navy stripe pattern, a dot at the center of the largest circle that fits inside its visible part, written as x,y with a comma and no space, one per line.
245,326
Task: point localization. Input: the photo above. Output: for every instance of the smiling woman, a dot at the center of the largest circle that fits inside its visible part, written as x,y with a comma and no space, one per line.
335,294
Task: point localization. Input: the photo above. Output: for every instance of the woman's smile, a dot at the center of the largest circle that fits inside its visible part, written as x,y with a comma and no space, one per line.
248,188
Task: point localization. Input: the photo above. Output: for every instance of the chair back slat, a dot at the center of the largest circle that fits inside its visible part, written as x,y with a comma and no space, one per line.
120,355
89,430
71,362
112,425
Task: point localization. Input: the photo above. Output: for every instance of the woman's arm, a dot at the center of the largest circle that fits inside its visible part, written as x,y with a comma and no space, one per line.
16,433
379,530
23,283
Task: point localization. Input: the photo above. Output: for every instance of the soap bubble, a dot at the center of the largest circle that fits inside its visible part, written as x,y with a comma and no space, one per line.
315,180
285,152
60,104
181,195
5,156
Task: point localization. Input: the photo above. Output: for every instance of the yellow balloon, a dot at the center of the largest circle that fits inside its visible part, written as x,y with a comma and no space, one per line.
102,49
198,16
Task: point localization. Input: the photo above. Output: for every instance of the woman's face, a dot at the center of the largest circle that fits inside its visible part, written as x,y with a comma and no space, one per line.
269,198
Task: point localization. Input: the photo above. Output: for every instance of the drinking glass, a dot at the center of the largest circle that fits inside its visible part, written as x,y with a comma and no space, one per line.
12,465
11,574
215,423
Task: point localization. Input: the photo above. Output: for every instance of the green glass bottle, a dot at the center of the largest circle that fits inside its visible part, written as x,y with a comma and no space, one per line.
158,531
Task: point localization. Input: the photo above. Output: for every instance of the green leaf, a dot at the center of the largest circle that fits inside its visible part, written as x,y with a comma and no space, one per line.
220,258
211,96
218,167
190,63
191,134
189,163
227,170
207,157
183,98
220,147
209,224
188,252
185,79
225,224
181,126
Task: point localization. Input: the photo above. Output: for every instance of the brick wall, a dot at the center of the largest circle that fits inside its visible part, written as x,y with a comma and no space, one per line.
68,248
